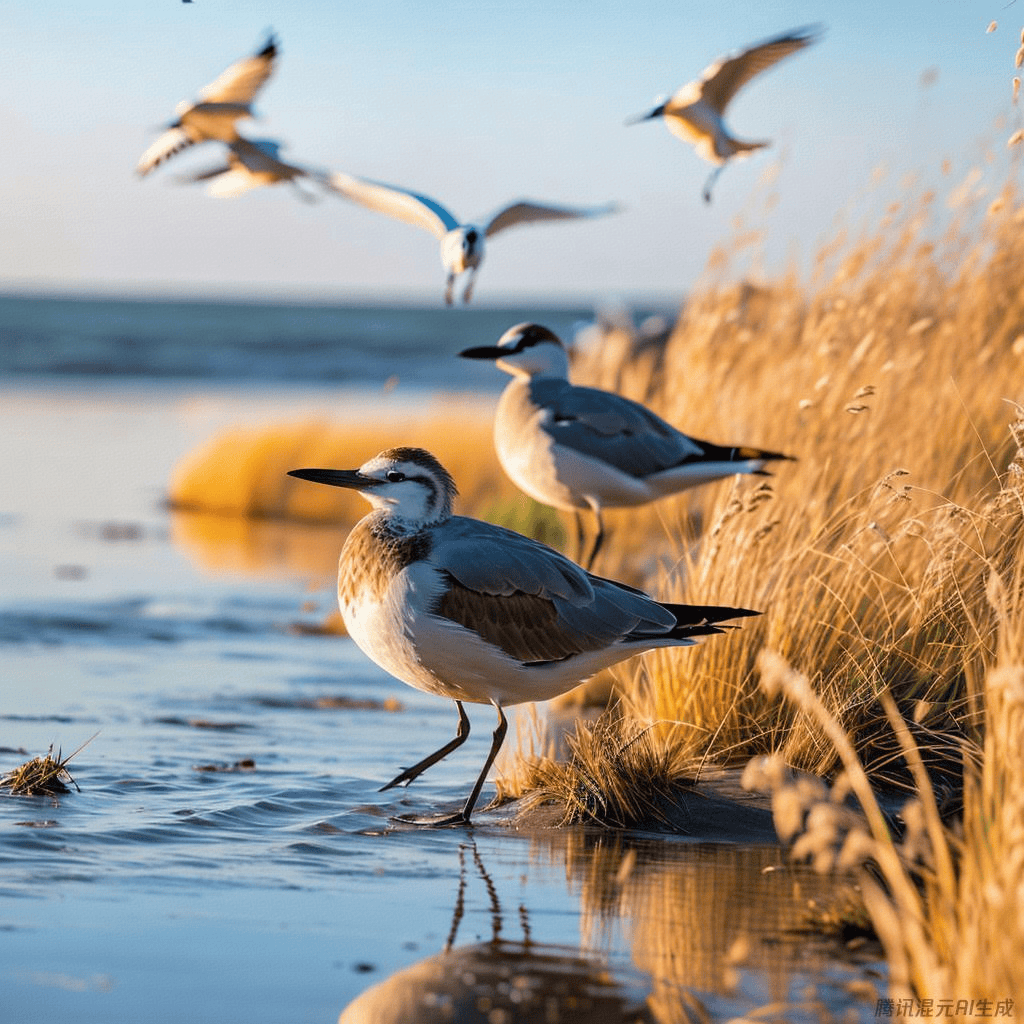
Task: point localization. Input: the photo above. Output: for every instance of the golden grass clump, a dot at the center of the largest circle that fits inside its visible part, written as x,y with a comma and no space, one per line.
243,470
607,780
42,776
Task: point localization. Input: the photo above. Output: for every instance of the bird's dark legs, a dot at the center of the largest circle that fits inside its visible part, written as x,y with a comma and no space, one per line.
580,536
468,293
598,540
449,290
418,769
712,178
499,738
462,817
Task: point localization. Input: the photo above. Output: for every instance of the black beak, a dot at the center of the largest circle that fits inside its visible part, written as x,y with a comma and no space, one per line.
350,478
484,352
649,116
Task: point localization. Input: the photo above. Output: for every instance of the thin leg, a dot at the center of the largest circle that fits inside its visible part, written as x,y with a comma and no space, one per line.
712,178
598,540
580,536
418,769
449,290
468,293
462,817
499,738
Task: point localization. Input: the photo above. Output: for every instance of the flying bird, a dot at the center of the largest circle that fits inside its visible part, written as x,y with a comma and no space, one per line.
255,163
462,245
467,610
577,448
696,111
213,114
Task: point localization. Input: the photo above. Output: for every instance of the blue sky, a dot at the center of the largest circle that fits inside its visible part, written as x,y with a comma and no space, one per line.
475,103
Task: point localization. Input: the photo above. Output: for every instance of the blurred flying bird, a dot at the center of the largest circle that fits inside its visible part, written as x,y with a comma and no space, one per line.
462,245
696,111
576,448
255,163
212,116
467,610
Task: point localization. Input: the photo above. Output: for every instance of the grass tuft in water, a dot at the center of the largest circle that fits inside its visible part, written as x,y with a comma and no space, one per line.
608,780
42,776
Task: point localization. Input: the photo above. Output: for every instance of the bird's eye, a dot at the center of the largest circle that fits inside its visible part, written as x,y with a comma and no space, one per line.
394,476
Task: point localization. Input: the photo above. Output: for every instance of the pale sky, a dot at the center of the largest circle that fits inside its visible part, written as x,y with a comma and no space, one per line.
475,103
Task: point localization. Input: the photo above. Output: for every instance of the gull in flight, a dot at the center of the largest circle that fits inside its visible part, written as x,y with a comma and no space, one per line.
212,116
254,163
474,612
577,448
696,111
462,245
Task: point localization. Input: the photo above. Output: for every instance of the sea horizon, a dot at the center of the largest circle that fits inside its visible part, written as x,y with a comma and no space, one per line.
269,339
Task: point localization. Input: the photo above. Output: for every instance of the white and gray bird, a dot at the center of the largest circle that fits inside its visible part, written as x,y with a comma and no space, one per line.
467,610
462,245
696,112
255,163
577,447
213,115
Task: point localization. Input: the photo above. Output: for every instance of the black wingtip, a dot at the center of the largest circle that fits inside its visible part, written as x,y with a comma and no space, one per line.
806,34
698,615
271,48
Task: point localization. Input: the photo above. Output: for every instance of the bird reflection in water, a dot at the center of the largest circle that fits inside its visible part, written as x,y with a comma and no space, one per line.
503,981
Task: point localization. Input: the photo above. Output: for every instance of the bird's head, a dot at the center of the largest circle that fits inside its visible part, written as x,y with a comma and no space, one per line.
407,483
526,350
462,248
657,111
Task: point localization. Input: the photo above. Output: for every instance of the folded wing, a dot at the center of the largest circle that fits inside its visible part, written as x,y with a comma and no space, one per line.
610,428
532,602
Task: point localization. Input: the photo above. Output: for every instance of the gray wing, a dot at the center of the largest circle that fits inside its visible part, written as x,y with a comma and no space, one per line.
611,428
528,212
723,79
257,150
260,155
529,600
240,82
400,203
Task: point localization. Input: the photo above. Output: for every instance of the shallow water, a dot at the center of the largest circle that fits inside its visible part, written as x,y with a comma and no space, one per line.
168,891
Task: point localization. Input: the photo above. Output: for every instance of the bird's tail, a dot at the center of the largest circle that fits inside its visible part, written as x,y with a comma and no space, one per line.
738,453
696,620
740,148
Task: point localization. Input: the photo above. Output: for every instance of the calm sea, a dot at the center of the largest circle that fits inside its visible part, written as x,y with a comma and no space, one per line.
271,343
